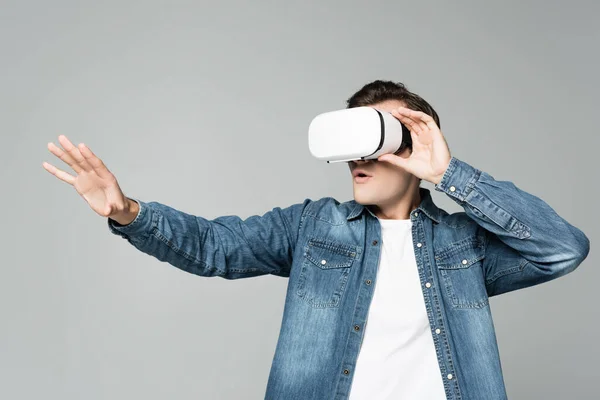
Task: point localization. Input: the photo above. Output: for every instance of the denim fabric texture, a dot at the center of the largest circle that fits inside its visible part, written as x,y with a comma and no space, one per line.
505,239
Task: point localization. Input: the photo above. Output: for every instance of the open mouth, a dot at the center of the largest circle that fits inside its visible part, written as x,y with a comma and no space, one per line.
360,178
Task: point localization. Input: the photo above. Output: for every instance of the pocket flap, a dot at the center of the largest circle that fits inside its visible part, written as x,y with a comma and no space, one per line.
461,254
326,254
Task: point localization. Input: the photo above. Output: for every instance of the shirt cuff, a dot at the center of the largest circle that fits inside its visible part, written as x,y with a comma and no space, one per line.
140,225
458,180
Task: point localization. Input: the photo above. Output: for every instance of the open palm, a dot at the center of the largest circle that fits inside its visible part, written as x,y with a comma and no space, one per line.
94,182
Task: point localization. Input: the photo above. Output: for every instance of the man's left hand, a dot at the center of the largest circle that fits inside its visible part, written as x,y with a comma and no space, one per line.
430,155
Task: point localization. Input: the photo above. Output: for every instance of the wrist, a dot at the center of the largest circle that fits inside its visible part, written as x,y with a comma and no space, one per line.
438,178
129,214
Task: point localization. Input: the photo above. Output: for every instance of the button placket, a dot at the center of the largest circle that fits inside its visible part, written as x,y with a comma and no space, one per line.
437,331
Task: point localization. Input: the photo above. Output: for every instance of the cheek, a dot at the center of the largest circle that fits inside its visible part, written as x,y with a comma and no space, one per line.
393,172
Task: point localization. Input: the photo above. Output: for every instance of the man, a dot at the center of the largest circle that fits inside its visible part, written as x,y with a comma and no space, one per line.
420,276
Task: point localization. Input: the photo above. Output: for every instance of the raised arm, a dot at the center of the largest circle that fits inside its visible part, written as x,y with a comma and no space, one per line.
527,242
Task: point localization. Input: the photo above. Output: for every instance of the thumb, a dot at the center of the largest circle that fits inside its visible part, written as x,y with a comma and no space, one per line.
395,160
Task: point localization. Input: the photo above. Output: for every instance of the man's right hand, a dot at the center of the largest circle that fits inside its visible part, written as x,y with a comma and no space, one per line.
94,182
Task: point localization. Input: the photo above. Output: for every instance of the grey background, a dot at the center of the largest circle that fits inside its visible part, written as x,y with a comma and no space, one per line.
205,106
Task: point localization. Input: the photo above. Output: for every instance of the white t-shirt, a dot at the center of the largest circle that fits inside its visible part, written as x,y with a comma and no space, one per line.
397,358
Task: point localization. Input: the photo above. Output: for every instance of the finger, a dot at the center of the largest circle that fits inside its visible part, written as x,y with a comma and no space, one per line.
416,116
426,118
395,160
62,175
94,161
75,153
423,118
410,123
414,141
426,122
65,157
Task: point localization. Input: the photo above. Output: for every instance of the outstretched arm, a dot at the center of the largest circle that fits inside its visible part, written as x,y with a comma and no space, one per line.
227,246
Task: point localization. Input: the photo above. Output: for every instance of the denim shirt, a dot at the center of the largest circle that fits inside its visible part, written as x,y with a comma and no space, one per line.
505,239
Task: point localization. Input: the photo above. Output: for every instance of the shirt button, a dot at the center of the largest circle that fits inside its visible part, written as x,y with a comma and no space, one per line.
323,262
368,281
438,331
416,214
374,242
449,376
419,245
346,372
356,328
464,261
452,189
428,284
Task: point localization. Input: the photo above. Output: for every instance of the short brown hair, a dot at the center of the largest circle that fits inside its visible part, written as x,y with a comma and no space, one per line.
379,91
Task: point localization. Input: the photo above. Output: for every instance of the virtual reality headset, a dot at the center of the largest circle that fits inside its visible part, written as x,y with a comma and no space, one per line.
359,133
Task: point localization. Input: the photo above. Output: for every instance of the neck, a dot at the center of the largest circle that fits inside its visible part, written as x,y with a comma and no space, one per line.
400,208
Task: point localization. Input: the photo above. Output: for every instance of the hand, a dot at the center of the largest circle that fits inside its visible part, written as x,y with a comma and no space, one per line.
94,182
430,155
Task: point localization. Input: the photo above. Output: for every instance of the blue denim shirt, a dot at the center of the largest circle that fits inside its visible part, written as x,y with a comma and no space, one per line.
505,239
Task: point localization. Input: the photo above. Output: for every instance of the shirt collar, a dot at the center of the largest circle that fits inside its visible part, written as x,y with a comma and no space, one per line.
426,206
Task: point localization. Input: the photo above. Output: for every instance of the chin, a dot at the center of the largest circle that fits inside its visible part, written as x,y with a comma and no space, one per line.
364,198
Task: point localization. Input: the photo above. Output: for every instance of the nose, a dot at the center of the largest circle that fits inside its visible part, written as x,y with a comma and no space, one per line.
358,163
362,162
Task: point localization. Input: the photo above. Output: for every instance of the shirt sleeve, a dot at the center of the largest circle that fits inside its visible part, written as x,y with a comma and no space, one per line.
227,246
527,242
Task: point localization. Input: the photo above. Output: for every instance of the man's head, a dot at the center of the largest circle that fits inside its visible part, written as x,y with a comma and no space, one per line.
388,184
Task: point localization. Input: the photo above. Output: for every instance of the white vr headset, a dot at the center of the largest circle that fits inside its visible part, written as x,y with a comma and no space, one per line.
359,133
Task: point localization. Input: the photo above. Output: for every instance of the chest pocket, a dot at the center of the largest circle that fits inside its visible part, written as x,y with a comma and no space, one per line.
461,269
324,274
